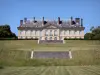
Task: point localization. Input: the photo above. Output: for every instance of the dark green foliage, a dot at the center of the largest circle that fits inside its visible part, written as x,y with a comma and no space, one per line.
94,35
73,39
5,32
88,36
29,39
91,28
1,67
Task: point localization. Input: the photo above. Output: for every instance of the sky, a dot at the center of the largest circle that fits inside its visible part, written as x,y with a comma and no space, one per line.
12,11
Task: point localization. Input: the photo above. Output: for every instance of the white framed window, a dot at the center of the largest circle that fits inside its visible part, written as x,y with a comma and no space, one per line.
51,33
64,32
40,38
60,38
55,38
75,32
79,32
46,32
46,38
20,32
50,38
35,32
69,32
55,32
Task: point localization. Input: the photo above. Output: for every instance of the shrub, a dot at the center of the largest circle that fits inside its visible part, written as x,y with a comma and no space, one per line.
73,39
1,67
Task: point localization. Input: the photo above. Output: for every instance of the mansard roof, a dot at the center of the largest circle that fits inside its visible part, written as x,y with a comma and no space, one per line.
40,25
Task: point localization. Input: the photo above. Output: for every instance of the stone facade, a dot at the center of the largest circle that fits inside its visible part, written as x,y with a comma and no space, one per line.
50,30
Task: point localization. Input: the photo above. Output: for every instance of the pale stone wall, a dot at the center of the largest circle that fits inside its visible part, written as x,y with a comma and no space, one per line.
33,34
82,34
28,34
50,33
72,34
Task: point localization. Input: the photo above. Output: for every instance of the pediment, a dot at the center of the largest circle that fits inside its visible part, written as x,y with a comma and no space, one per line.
51,26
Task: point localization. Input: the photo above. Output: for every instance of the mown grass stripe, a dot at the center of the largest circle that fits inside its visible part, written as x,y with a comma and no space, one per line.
36,71
65,69
45,71
27,70
50,71
82,72
56,70
14,72
92,70
87,72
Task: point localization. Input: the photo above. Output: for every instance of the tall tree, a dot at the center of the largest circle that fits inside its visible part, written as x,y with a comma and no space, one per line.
5,32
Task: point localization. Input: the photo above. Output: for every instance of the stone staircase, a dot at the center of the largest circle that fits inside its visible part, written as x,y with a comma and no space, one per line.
50,42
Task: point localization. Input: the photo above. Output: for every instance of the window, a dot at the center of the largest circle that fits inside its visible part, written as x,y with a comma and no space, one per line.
51,33
79,32
45,38
60,38
35,32
69,32
55,38
40,38
50,38
75,32
50,30
46,33
20,32
55,33
64,32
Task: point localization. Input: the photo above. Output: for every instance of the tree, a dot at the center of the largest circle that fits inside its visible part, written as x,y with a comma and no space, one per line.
92,28
95,34
5,32
88,36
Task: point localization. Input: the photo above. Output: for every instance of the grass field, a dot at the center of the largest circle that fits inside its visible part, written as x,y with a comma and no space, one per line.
52,70
32,44
15,58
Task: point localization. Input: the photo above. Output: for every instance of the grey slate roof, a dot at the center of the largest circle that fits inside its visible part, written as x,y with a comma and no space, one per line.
38,24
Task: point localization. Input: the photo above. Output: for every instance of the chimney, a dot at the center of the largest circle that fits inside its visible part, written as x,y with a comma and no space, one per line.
71,20
25,20
21,22
43,21
81,22
33,19
58,20
77,20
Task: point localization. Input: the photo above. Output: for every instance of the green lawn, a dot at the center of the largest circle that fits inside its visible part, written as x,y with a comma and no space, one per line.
32,44
52,70
15,58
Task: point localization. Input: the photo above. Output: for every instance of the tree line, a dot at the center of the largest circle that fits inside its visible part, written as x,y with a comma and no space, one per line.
94,34
5,32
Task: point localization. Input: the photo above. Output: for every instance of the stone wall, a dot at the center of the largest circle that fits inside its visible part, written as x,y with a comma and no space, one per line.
50,34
